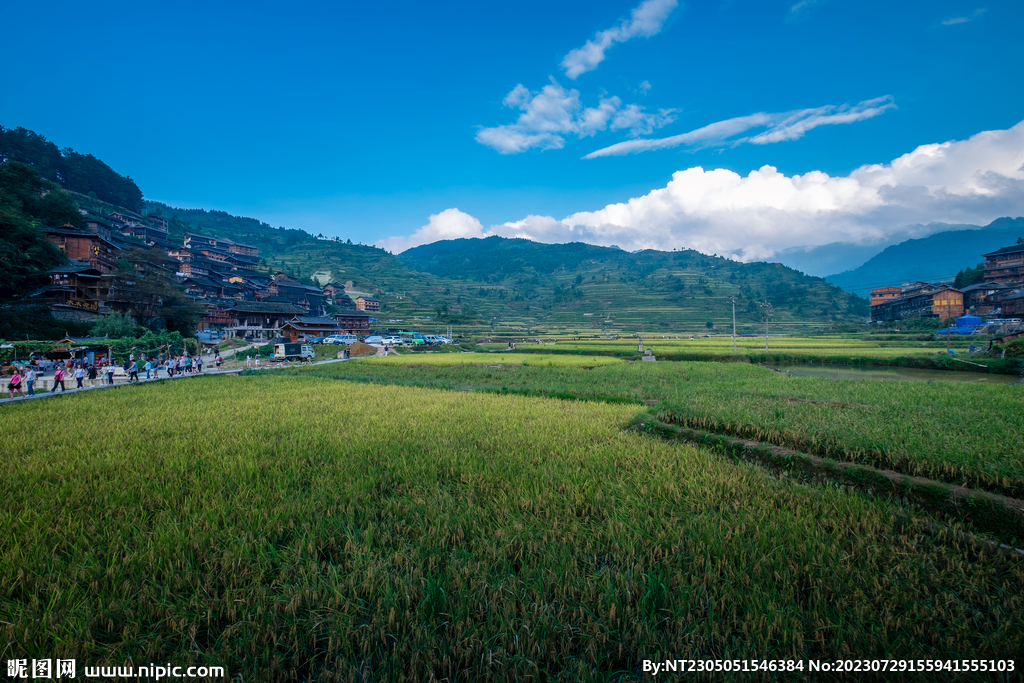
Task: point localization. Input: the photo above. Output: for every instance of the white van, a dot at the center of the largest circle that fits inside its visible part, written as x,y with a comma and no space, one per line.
343,339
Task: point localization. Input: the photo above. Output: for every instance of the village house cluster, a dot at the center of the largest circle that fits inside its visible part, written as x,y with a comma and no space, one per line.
219,274
1000,294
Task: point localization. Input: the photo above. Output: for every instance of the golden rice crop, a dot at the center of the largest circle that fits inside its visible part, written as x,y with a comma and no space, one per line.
964,434
297,528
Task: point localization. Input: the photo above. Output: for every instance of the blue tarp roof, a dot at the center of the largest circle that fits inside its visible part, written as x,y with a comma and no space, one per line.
965,320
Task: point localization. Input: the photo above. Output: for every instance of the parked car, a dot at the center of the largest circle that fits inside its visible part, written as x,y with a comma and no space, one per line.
374,339
344,339
391,341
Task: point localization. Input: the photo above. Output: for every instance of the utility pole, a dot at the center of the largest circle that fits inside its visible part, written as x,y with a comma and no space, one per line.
732,300
766,313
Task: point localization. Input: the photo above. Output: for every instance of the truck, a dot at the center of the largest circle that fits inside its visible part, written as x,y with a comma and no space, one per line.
288,352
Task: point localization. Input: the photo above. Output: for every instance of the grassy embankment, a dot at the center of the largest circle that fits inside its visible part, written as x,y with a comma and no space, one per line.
831,351
956,433
386,533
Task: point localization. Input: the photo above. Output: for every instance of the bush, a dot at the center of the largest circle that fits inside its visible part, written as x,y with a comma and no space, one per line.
116,326
1014,349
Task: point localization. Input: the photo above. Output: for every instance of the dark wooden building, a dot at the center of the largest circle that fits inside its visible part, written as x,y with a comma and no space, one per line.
921,300
260,319
1005,265
310,326
88,247
367,303
353,322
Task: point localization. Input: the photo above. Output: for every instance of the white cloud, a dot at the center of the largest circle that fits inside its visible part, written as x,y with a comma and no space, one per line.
963,20
783,126
644,87
554,112
755,216
645,21
450,224
801,8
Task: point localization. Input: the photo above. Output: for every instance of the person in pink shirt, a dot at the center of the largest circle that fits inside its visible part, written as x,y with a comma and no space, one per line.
15,384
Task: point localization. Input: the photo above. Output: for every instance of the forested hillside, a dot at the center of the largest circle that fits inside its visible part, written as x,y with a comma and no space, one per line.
565,284
82,173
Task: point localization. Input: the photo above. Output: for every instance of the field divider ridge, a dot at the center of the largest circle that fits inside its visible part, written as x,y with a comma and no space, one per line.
990,513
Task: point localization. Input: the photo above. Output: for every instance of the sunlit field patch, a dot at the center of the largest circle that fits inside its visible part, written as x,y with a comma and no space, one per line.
511,358
958,433
299,528
832,348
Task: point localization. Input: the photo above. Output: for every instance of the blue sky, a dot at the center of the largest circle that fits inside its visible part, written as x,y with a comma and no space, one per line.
365,119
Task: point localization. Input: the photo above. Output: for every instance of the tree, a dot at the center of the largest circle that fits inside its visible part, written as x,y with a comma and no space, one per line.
25,254
710,325
82,173
115,326
145,284
969,276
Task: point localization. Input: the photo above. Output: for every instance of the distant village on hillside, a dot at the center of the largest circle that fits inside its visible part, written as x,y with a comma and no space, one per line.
219,274
1000,294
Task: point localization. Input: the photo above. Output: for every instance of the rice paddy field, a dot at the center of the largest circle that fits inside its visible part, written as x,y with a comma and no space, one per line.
680,347
957,433
321,525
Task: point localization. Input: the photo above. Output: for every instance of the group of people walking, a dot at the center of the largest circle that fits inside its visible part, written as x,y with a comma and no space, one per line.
184,364
63,371
24,379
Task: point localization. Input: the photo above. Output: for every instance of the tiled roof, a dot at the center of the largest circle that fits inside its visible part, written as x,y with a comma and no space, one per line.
298,285
204,282
73,267
315,320
1016,248
984,285
265,307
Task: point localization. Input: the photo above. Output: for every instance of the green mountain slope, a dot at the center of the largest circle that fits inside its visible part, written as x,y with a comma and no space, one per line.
580,285
936,257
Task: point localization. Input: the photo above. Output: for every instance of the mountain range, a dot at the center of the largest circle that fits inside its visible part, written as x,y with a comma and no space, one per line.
936,257
837,257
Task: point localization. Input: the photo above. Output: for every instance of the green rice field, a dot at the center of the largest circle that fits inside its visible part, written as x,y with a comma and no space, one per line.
291,526
957,433
824,347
